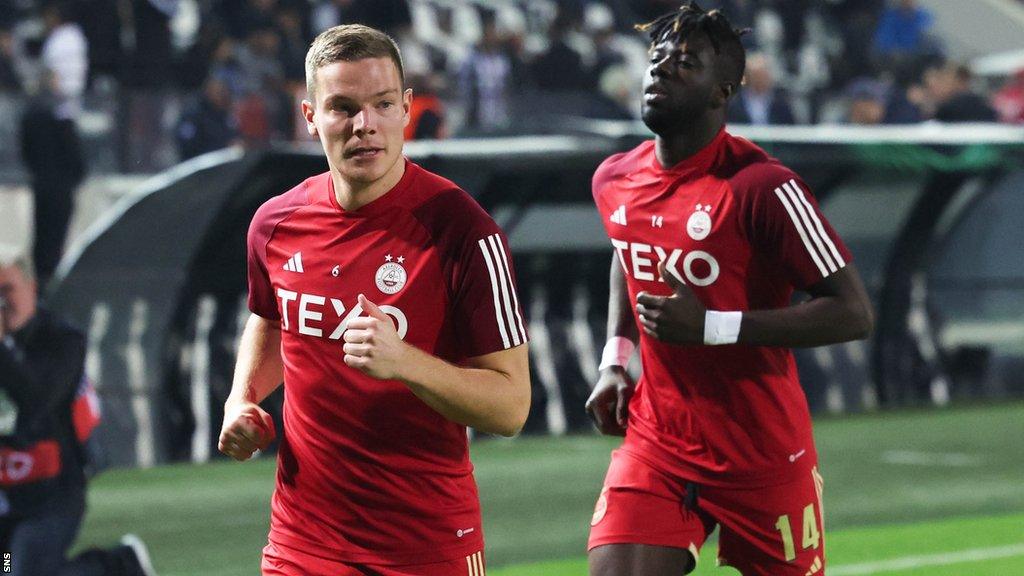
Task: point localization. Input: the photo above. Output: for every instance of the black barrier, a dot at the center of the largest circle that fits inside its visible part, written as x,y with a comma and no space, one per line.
160,284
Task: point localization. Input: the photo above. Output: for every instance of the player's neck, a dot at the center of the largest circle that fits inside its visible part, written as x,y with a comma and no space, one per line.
353,195
671,149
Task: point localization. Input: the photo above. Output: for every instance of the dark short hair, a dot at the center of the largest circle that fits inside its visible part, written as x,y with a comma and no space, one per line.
690,18
348,43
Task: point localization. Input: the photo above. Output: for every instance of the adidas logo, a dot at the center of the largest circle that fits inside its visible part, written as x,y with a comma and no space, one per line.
619,216
295,263
815,566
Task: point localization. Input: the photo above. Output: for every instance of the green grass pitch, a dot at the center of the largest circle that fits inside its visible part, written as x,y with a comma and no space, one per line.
922,492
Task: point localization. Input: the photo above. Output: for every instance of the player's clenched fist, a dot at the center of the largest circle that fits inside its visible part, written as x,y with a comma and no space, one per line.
676,319
372,344
247,428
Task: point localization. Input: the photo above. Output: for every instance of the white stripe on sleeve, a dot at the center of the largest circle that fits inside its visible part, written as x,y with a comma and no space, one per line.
494,291
512,289
809,226
505,298
817,223
800,230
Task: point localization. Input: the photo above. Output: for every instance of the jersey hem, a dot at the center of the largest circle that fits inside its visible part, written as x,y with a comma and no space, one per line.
648,452
422,556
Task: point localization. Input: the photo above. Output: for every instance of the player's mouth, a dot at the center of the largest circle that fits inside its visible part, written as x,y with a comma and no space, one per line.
364,152
654,93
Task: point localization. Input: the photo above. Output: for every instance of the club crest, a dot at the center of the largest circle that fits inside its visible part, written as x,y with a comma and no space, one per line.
699,224
391,276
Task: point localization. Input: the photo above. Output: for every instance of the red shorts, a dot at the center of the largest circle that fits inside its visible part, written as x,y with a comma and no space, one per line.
281,561
770,531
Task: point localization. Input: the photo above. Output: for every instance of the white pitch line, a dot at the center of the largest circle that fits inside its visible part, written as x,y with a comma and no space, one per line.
912,562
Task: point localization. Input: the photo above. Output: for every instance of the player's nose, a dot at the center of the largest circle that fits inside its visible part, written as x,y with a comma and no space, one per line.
365,122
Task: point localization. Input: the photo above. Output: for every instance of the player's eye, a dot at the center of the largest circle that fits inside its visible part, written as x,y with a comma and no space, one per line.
386,104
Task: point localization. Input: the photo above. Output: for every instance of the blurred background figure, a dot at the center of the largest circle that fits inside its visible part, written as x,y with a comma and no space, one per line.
867,102
1009,100
48,411
904,30
52,154
208,122
485,80
949,94
426,115
759,101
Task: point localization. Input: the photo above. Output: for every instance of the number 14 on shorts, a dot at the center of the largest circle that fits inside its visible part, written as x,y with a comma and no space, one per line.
811,532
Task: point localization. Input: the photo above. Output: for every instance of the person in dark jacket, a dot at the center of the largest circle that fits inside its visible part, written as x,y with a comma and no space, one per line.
53,156
43,422
208,123
760,102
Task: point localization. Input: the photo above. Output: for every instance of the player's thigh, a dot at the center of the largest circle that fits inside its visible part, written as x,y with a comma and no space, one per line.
642,519
775,531
640,560
469,565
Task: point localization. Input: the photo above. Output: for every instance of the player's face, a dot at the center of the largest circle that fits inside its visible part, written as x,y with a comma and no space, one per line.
18,298
679,85
360,115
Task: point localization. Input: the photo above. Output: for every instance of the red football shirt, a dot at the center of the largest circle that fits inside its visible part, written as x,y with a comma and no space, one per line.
367,472
743,232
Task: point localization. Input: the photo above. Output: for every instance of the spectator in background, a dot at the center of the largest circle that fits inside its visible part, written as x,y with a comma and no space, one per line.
47,412
1009,100
10,81
760,102
49,137
390,16
151,59
868,99
207,124
903,30
65,55
426,113
485,80
560,67
265,109
948,88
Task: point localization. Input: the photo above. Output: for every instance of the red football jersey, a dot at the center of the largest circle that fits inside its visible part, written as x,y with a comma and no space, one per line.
367,472
743,232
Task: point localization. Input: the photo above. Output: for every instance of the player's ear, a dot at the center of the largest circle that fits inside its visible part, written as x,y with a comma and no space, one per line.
406,106
723,92
308,112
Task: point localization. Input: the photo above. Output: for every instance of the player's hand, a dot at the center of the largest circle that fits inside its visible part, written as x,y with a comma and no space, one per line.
247,428
675,319
608,405
372,345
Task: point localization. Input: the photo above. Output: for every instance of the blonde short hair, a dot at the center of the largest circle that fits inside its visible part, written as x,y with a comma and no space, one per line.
11,255
348,43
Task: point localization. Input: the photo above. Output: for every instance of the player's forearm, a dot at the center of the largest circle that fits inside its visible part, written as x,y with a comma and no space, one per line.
259,369
494,401
621,322
818,322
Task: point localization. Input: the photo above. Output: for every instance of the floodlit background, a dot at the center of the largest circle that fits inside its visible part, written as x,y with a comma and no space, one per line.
905,117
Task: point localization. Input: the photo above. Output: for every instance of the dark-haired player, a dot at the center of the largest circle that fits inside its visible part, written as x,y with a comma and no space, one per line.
384,296
711,238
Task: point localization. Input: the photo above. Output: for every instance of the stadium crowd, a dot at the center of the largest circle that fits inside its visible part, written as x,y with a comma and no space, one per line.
234,68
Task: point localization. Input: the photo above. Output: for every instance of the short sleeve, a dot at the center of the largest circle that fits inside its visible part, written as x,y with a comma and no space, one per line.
486,302
787,223
261,291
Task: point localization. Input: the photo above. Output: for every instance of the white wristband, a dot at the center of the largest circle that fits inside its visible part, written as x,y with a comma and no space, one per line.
721,327
617,352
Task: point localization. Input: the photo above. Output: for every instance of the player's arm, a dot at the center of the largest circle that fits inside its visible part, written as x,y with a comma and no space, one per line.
608,404
490,392
839,310
258,372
